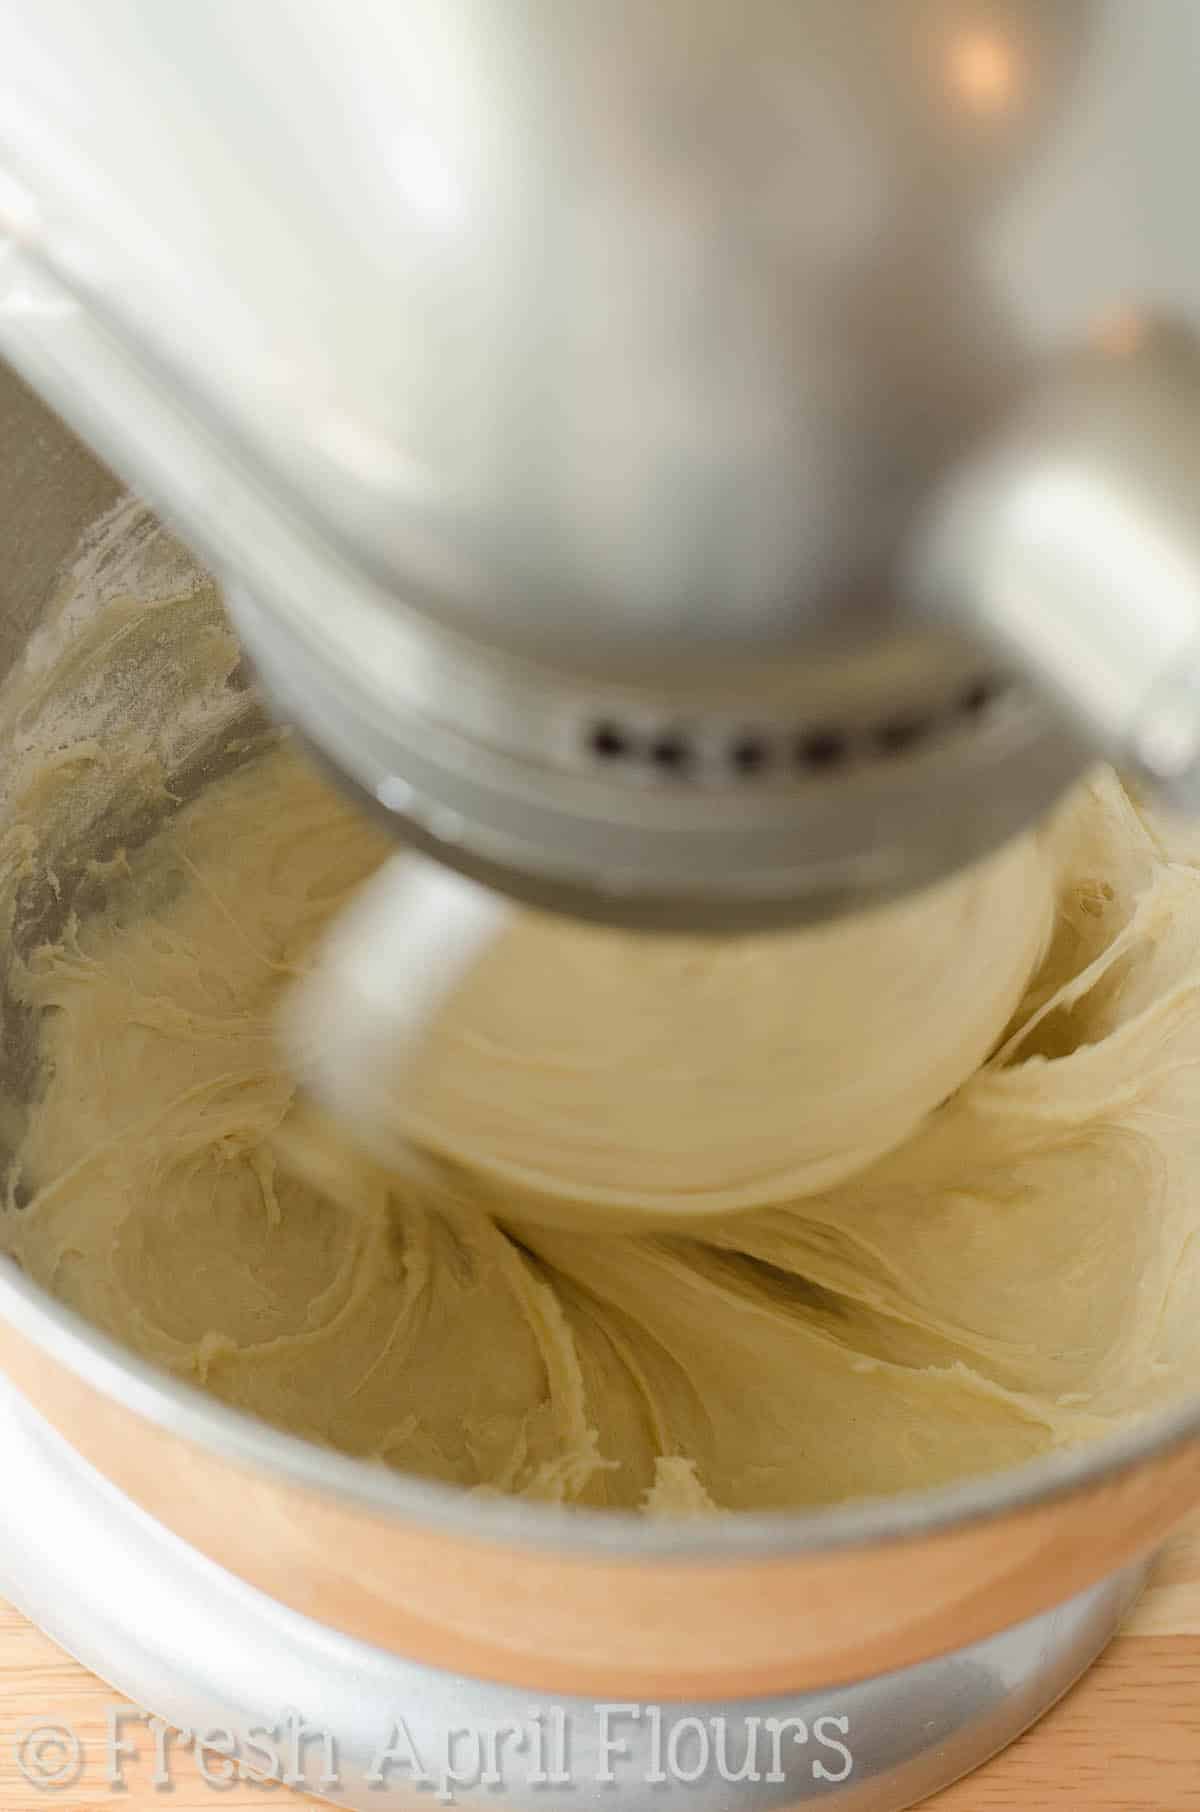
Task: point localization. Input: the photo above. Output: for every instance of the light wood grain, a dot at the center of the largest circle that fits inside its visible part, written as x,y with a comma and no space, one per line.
1127,1739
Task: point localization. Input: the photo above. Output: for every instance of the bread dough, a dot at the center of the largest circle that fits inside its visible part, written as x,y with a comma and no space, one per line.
617,1081
1018,1270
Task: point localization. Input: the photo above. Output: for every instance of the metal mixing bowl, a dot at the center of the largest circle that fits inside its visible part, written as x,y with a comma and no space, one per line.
506,1591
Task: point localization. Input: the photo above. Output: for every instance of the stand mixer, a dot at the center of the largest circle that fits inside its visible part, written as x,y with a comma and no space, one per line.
692,466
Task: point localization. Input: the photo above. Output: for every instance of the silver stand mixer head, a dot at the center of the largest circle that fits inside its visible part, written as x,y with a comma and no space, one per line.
667,660
1045,611
584,451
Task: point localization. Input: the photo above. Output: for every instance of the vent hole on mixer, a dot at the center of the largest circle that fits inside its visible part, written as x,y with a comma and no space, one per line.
977,697
672,752
901,734
608,741
822,749
750,753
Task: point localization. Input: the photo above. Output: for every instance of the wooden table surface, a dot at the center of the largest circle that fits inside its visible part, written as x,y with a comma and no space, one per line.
1126,1739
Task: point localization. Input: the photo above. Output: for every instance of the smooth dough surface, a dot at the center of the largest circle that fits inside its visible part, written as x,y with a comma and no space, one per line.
1013,1265
616,1081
